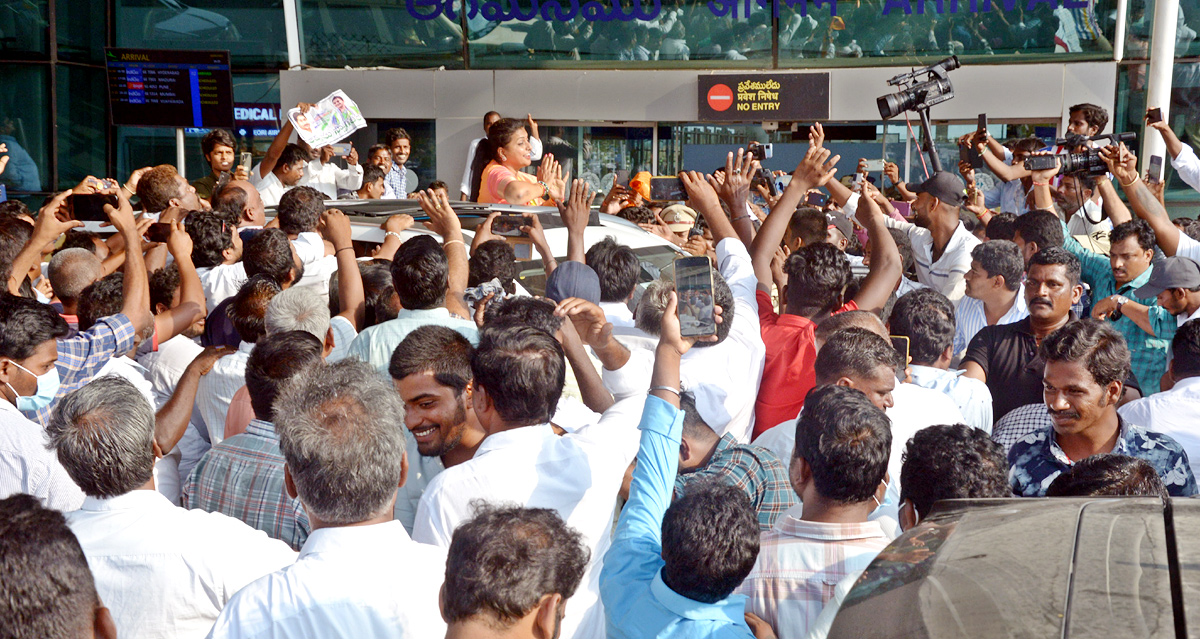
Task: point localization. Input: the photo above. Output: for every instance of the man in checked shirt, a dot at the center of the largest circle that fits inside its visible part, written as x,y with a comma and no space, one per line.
80,357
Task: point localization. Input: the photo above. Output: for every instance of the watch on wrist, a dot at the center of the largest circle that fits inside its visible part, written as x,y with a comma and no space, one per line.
1121,300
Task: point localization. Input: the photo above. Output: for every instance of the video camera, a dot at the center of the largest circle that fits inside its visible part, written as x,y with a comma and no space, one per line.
1086,162
918,96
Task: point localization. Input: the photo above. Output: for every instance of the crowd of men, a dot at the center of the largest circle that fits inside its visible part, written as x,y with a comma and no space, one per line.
266,429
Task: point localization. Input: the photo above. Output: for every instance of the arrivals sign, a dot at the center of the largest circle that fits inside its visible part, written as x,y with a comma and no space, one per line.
764,97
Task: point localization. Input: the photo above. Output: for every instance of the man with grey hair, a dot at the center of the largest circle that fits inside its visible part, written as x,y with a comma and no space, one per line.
70,271
165,571
341,431
302,309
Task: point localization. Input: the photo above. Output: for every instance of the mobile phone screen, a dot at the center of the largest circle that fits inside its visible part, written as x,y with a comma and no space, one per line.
982,122
1154,173
693,284
158,232
89,207
667,189
509,226
247,159
1154,115
818,200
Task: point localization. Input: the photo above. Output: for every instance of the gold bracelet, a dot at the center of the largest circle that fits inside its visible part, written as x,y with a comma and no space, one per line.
131,192
1131,182
445,244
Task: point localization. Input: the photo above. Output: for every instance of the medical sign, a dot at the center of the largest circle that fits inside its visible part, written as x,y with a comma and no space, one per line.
763,97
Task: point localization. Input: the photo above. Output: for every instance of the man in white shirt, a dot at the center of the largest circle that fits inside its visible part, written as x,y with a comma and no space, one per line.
723,375
518,378
56,599
995,293
862,358
162,570
328,178
431,370
1078,192
618,268
1183,156
29,380
304,308
216,252
359,574
511,555
1175,412
926,318
299,215
218,387
282,175
941,244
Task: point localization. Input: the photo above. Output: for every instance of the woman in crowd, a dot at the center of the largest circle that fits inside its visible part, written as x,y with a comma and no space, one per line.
498,161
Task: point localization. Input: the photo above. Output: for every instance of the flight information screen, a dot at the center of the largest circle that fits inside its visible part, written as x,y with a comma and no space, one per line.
169,88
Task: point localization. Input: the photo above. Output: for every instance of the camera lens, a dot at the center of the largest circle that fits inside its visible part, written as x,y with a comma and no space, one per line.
894,104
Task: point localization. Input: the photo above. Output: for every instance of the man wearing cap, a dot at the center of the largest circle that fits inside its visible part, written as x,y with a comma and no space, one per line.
680,219
941,244
1175,285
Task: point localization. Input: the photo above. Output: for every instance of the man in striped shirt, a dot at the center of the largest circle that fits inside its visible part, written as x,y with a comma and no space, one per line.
843,443
995,293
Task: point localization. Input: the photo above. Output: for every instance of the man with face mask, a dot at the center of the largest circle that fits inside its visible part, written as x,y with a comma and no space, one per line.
941,244
431,369
29,331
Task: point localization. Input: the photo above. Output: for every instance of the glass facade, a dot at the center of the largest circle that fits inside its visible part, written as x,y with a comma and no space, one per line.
53,50
252,30
1184,118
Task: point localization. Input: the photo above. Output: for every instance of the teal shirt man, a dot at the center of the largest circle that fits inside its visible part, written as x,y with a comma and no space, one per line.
1148,351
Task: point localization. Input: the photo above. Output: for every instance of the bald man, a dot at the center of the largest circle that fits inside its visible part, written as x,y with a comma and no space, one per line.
241,198
70,271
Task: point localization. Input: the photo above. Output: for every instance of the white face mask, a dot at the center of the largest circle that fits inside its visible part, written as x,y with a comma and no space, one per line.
877,503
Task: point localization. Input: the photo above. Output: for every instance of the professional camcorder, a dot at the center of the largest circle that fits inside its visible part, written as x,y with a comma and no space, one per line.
1085,162
917,96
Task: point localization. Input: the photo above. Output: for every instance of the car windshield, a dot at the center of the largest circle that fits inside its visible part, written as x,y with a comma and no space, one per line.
654,259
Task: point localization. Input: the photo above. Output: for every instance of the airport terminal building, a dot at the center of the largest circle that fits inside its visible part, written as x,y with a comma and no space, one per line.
616,86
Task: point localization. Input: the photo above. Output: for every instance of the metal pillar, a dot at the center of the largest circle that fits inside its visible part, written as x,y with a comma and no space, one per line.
180,152
1162,63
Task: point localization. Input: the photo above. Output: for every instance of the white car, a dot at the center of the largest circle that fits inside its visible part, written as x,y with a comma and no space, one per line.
653,252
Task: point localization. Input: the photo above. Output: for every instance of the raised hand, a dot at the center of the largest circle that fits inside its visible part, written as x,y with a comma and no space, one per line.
816,169
1121,162
179,243
589,320
576,209
734,187
337,228
551,173
671,334
442,219
816,136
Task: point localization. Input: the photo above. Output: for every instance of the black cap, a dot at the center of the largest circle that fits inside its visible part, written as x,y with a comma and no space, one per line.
945,186
1169,273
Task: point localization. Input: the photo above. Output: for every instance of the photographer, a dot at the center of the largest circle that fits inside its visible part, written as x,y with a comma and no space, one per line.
1147,327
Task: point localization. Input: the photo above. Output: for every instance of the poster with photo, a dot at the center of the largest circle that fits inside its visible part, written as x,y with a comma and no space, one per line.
330,120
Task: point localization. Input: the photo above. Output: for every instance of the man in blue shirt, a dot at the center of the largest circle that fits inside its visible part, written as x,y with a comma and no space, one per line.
671,571
1086,362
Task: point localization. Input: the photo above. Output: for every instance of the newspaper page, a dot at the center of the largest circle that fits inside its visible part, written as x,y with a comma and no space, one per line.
330,120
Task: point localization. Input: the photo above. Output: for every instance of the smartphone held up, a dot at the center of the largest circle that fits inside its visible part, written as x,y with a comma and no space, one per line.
694,288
